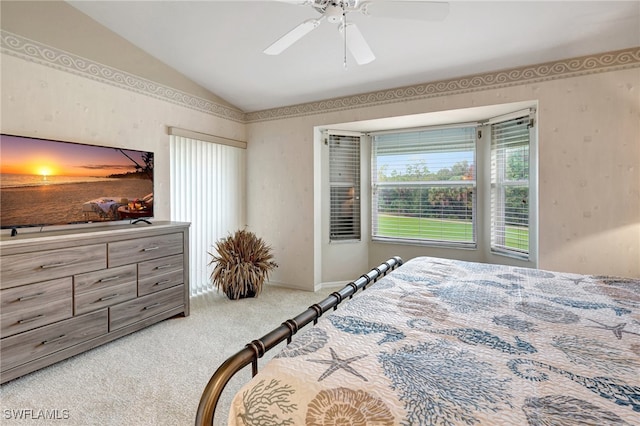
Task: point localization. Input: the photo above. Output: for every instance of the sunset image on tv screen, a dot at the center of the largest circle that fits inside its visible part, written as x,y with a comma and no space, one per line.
47,182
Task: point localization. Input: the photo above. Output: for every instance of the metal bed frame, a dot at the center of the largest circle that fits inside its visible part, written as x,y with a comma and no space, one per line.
257,348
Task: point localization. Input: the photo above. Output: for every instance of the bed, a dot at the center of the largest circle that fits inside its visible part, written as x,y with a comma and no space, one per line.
447,342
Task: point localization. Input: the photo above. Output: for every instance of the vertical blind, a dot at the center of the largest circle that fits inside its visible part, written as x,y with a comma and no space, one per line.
510,186
208,190
344,184
424,186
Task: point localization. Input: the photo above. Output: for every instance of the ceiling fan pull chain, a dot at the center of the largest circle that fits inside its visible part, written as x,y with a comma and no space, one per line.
344,26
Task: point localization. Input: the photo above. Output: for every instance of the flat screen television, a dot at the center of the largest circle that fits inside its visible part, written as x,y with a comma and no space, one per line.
49,182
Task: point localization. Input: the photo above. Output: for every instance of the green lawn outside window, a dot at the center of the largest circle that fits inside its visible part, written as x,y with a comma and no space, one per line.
443,230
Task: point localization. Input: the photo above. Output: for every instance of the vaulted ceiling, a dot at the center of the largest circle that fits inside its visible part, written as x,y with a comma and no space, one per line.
219,44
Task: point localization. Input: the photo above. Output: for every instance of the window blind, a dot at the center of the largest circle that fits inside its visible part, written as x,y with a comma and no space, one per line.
510,186
208,190
423,186
344,186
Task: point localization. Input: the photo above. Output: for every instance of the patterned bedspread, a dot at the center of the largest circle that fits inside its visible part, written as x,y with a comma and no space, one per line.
444,342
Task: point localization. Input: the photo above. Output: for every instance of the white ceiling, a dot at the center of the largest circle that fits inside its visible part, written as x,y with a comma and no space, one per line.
219,44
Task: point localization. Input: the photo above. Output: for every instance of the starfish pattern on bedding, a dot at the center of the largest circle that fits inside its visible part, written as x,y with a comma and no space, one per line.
337,363
617,329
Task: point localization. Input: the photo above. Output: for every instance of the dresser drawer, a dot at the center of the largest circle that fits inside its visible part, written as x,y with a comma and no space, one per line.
97,290
46,340
160,282
141,249
146,306
93,300
31,306
103,279
27,268
158,274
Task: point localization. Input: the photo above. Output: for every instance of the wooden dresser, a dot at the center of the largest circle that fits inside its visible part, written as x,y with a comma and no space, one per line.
65,292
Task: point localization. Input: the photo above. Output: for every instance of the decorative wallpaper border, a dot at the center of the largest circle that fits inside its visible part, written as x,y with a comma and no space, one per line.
610,61
34,51
37,52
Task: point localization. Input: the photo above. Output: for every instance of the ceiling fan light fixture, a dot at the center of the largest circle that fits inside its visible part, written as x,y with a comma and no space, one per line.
334,13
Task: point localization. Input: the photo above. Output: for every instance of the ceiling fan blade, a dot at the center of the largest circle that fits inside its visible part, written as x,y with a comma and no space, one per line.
407,9
356,44
292,36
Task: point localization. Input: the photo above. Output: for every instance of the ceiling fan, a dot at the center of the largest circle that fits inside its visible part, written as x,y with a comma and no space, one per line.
336,11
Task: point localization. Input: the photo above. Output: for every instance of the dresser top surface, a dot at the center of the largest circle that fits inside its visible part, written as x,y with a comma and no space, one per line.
29,237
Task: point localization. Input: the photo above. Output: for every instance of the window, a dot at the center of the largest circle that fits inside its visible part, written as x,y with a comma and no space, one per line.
344,187
424,185
461,186
510,186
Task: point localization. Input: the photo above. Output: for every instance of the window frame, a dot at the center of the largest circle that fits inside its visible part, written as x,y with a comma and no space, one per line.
482,211
427,184
497,237
337,202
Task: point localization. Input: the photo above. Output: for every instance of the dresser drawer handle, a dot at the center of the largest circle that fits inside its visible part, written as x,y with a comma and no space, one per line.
111,296
55,265
150,306
106,280
163,282
151,248
32,319
164,266
55,339
29,297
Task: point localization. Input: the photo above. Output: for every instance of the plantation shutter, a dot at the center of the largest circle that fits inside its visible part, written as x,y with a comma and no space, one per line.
344,187
424,186
510,186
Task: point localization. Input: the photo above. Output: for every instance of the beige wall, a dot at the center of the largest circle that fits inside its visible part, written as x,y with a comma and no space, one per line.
589,176
44,102
66,77
58,24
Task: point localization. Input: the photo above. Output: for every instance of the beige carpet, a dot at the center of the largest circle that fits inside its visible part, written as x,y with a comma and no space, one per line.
154,376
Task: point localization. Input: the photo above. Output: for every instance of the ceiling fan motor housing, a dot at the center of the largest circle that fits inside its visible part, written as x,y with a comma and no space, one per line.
334,10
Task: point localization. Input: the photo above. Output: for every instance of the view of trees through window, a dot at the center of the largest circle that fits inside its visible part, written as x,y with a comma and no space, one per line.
448,202
430,205
516,197
424,185
510,185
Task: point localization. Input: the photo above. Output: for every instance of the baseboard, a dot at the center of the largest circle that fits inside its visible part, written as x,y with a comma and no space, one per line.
331,284
316,288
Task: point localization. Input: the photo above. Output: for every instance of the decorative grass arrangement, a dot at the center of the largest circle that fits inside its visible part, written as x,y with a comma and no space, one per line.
242,264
